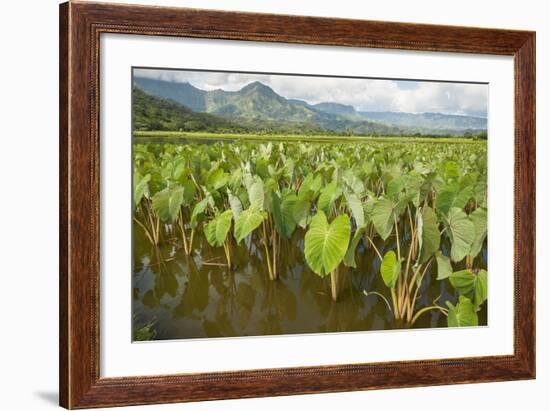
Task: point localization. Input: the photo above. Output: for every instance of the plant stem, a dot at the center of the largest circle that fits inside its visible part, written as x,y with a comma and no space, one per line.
267,256
191,240
379,295
154,226
146,230
426,309
274,250
405,289
413,280
413,233
375,248
199,190
412,302
157,232
395,307
469,262
397,238
227,254
334,284
183,236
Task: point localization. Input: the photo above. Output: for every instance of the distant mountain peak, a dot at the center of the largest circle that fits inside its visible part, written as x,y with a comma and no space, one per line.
256,86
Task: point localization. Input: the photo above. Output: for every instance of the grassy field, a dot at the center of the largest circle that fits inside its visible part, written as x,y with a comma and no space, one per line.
171,136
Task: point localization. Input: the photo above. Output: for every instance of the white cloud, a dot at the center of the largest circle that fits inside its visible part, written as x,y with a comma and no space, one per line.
363,94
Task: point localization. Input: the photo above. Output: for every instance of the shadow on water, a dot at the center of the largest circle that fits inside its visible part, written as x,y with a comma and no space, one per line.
197,296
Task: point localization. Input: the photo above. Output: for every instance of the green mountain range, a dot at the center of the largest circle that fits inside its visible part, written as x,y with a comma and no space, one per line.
257,108
158,114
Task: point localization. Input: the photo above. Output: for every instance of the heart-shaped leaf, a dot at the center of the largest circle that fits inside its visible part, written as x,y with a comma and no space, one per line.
216,230
430,234
256,193
479,219
235,204
396,186
329,195
197,211
189,191
444,268
301,212
463,314
480,289
283,213
451,196
451,171
471,285
461,232
140,188
349,259
248,221
167,203
217,178
353,182
356,207
390,269
382,217
326,244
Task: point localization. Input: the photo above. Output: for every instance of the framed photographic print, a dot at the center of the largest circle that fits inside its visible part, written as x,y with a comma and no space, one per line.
256,205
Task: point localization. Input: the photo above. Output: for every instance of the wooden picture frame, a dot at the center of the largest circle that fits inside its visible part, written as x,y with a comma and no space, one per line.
80,27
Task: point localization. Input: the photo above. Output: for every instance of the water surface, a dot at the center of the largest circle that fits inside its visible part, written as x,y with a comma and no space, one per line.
197,296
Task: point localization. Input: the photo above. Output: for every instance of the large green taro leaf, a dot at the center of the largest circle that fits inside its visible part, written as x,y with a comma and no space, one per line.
283,213
248,221
479,219
405,188
349,259
461,232
480,290
301,212
216,230
157,183
167,203
471,285
463,314
452,196
235,204
396,186
390,269
326,244
430,234
217,178
382,216
444,268
256,193
329,194
140,188
353,182
310,187
235,179
197,211
189,191
356,207
452,171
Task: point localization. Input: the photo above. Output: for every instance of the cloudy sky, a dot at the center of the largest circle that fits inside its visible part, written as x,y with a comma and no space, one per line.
363,94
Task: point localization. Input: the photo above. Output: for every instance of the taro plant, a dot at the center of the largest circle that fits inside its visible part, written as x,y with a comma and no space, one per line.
325,247
421,208
407,211
149,221
404,268
217,230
